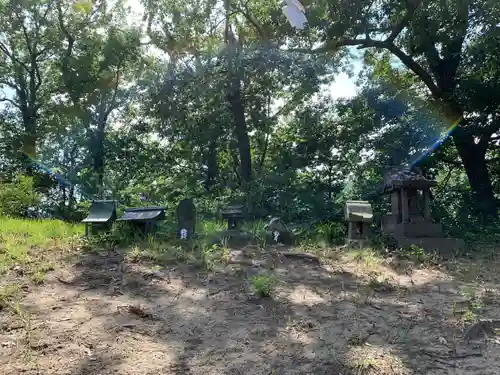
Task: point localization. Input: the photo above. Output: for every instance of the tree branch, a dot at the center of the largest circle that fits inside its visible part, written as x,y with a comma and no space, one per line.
451,162
404,22
25,33
113,104
492,160
445,182
10,101
411,64
7,83
12,57
246,13
67,55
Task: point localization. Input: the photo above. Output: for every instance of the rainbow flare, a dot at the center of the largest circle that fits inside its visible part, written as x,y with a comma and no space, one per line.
52,172
438,142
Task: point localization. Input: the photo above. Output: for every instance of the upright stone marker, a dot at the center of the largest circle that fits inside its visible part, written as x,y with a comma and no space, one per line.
359,216
279,231
186,217
234,216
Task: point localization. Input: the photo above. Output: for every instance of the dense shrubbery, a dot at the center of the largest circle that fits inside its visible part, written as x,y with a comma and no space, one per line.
18,198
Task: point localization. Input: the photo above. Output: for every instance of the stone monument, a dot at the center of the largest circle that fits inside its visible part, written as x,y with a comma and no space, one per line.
359,217
234,216
186,218
278,231
410,221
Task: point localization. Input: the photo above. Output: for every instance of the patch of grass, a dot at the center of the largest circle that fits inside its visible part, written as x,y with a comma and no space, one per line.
470,309
210,227
25,319
417,255
151,249
256,228
213,256
362,297
327,254
263,285
356,340
471,271
399,335
379,284
369,257
24,241
8,293
363,365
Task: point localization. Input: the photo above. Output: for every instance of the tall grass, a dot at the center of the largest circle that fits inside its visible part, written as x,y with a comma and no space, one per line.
20,240
210,227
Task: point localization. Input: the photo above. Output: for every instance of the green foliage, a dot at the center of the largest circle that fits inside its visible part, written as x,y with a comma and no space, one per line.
17,197
212,256
21,240
416,254
263,285
243,116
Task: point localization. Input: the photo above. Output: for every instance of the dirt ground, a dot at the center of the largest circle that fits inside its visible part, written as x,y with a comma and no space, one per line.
101,314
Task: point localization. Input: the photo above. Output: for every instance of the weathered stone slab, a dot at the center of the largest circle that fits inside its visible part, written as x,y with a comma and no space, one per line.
358,211
186,217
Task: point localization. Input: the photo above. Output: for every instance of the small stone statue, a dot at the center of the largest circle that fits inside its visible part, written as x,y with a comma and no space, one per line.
184,234
280,232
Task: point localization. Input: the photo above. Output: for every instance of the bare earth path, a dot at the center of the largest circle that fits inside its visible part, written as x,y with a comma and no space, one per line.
104,315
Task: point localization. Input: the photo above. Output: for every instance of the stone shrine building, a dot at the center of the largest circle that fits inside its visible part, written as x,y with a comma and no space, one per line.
410,221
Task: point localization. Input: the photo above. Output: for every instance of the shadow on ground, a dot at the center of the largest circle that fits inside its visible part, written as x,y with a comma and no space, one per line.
104,315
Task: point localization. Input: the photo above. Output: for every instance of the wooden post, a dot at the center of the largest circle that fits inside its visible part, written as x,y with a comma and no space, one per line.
350,231
404,206
427,205
395,207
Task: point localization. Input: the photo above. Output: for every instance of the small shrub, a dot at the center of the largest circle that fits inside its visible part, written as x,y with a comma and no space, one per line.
256,228
263,285
7,294
333,233
383,241
213,256
416,254
356,340
17,197
382,284
368,257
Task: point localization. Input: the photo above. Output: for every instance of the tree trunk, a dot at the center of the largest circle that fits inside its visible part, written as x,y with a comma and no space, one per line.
99,161
96,150
473,157
241,132
29,141
235,99
212,166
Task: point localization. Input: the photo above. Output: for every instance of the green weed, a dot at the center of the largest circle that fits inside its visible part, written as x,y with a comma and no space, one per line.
22,240
263,285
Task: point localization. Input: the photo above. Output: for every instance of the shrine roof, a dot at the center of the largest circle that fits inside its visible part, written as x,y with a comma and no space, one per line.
403,177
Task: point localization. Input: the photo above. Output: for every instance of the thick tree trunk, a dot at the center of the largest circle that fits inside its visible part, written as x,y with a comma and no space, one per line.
235,99
99,161
96,150
473,157
29,141
241,132
212,166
